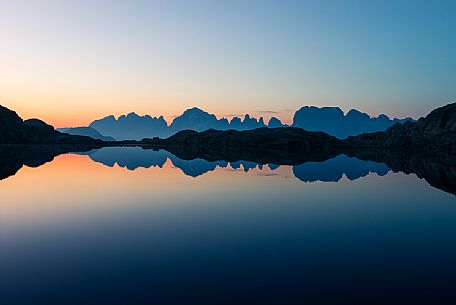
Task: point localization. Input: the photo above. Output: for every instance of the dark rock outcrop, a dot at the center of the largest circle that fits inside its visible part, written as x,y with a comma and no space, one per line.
11,127
435,132
426,147
273,139
13,130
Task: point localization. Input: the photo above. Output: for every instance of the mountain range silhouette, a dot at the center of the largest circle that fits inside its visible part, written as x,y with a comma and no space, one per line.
331,120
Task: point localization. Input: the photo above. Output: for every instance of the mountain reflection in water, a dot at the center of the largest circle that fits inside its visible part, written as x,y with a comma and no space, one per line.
438,171
331,170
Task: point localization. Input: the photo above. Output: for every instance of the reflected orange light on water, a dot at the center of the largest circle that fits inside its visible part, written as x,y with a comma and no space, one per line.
73,184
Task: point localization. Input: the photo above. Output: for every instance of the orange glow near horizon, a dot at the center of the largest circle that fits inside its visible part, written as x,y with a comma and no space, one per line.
74,114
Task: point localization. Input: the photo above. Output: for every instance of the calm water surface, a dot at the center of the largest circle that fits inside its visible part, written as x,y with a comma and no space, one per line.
127,225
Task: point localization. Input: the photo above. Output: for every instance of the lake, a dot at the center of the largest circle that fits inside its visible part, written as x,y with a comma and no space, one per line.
129,225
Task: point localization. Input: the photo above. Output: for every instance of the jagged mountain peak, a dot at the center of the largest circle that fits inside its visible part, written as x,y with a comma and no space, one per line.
330,119
133,115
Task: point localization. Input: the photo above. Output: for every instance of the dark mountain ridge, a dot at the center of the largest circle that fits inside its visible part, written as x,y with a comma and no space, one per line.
289,140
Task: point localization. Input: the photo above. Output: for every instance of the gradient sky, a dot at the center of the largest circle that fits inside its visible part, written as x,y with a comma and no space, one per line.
69,62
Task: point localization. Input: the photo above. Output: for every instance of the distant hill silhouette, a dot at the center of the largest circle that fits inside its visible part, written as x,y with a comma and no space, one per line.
85,131
331,120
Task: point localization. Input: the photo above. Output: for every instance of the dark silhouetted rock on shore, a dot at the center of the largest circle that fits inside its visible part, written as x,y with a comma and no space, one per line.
270,139
434,132
13,130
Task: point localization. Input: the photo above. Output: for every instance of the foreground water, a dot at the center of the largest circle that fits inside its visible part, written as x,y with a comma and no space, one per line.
127,225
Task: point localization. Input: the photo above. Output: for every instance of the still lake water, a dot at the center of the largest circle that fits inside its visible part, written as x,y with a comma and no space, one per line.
127,225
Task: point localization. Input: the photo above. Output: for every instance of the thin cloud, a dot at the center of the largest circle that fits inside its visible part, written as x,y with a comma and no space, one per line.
232,115
267,112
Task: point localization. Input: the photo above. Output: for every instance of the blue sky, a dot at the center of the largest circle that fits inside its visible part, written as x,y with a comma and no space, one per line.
73,61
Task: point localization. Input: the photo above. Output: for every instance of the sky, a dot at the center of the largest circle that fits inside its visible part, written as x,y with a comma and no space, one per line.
70,62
